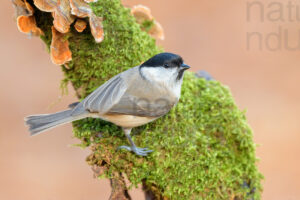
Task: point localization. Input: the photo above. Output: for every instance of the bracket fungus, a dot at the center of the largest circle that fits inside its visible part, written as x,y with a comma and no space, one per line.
90,1
81,9
141,13
22,8
144,17
27,24
96,28
157,31
64,13
24,16
61,12
80,25
59,49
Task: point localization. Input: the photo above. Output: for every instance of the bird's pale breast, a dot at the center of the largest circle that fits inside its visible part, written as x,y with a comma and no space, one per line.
128,121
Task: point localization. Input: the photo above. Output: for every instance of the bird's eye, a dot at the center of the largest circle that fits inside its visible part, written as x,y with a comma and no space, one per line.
166,65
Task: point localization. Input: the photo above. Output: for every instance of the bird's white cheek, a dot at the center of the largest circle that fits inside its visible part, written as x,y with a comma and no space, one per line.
177,90
155,74
164,77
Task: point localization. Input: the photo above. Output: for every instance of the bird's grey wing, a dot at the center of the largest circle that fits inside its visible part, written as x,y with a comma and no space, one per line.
106,96
139,106
103,98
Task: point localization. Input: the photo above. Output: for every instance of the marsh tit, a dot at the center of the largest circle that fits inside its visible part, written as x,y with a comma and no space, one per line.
132,98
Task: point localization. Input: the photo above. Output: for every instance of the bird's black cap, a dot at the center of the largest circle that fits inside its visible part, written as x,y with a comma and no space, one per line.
165,60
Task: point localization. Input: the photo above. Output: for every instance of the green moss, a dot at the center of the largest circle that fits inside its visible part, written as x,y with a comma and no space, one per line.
124,46
203,149
147,25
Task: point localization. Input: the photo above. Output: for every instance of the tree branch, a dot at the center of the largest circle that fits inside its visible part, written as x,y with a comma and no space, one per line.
203,149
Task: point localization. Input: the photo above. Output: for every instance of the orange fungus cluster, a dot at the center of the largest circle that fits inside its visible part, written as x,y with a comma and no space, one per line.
66,13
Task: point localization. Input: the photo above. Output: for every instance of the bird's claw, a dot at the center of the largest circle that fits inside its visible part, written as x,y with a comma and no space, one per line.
138,151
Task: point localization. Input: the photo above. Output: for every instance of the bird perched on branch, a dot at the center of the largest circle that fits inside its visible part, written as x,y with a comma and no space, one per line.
132,98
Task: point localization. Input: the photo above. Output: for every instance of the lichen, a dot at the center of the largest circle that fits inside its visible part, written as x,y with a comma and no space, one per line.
203,149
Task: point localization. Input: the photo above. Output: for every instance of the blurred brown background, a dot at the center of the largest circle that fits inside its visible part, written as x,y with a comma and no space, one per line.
210,35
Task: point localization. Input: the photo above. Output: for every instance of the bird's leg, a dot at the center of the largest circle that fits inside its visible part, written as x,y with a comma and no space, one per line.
138,151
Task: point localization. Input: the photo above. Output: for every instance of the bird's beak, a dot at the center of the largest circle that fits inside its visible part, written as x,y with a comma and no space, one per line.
184,67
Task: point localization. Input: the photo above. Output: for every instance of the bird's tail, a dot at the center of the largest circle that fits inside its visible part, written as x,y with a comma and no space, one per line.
40,123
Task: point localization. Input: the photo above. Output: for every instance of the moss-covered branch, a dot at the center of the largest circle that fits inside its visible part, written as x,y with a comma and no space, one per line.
203,148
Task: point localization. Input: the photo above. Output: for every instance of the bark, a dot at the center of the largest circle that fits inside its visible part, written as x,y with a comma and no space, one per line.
119,190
